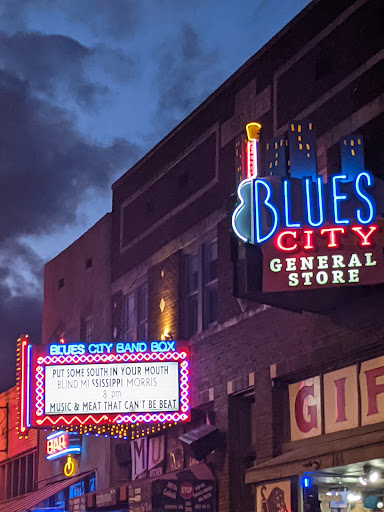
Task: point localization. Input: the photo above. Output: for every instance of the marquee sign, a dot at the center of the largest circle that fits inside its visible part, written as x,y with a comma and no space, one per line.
103,384
312,233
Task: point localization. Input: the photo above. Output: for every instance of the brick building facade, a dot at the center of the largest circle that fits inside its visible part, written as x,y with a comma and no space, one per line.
178,272
171,233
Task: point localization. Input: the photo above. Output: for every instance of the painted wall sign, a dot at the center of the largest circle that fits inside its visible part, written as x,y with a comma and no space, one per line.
312,233
341,400
99,384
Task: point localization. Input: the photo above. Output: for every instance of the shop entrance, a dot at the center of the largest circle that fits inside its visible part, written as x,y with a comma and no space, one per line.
353,488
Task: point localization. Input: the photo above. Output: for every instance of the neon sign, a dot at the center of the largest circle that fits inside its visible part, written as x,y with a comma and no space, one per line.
312,233
103,384
58,445
70,466
266,204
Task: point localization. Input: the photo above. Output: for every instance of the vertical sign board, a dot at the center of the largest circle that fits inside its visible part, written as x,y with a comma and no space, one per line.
156,455
103,384
147,455
139,451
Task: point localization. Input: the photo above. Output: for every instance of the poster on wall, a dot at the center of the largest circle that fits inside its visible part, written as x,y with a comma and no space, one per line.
274,497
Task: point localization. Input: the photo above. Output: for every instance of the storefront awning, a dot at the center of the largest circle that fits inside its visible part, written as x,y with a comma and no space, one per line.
321,453
23,503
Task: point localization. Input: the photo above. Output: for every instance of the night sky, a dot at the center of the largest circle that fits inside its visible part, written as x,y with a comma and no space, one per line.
87,87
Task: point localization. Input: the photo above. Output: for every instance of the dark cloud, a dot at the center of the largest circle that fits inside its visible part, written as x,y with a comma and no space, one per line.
57,66
15,314
45,165
46,168
117,19
187,74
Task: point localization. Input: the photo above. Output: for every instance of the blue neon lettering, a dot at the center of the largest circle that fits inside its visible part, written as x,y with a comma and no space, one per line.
120,348
287,205
273,211
308,202
162,346
367,198
338,198
65,350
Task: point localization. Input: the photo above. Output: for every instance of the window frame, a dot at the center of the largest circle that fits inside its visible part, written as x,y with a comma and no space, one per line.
200,251
133,322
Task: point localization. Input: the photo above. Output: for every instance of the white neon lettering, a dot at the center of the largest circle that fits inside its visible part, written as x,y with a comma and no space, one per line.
307,278
353,275
322,262
322,277
291,264
306,263
275,265
338,261
368,260
354,261
337,276
293,279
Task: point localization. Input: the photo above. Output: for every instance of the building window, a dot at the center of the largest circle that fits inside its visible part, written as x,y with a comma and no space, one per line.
200,289
135,314
86,329
17,476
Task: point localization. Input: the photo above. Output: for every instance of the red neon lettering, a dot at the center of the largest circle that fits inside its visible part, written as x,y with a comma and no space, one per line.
364,237
57,444
302,424
251,146
308,237
280,238
332,240
373,389
340,399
